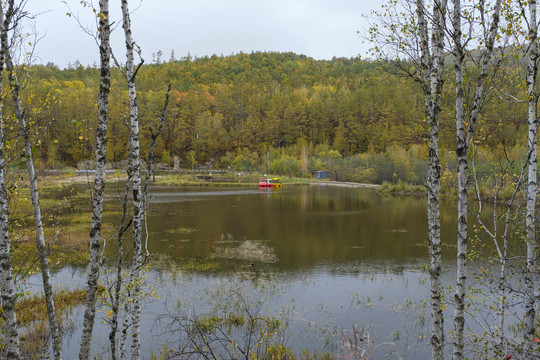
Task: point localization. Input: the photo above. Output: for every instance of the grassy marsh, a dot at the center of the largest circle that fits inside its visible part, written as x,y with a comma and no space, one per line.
33,321
229,179
66,224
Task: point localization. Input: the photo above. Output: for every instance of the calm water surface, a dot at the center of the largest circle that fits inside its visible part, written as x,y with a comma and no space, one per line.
309,228
344,257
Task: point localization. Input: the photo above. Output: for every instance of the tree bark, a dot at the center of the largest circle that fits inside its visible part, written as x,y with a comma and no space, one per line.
135,174
7,284
14,88
461,151
463,141
115,296
99,182
431,58
530,227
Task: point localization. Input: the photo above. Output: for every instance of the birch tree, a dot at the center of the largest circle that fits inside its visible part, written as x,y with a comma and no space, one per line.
115,292
135,175
7,284
140,201
415,34
432,63
99,181
464,135
530,227
14,12
118,349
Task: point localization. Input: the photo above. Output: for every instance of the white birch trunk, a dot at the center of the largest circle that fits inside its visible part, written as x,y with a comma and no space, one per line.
136,176
432,81
434,181
503,257
14,89
461,151
123,338
116,295
7,284
434,236
530,227
99,182
463,141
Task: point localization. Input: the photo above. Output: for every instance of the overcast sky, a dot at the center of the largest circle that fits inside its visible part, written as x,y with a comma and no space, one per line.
317,28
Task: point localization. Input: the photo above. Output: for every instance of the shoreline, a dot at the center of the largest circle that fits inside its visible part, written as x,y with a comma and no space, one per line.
49,179
344,184
88,177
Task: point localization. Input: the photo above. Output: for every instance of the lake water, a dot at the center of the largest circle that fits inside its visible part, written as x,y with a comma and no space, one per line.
323,259
309,228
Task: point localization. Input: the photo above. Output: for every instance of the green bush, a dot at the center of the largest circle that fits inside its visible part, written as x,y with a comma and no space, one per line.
246,160
286,165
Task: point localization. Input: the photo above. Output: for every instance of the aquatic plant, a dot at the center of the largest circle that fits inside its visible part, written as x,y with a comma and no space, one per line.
248,250
237,324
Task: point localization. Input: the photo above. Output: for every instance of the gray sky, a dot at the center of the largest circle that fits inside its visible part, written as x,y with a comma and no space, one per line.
317,28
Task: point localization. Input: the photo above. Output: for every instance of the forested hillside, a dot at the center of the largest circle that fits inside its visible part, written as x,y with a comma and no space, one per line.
449,109
253,104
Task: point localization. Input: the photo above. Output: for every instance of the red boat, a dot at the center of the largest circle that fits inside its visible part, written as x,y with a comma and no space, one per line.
270,183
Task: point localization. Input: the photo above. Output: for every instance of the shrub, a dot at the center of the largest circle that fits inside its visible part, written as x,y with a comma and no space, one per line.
285,165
